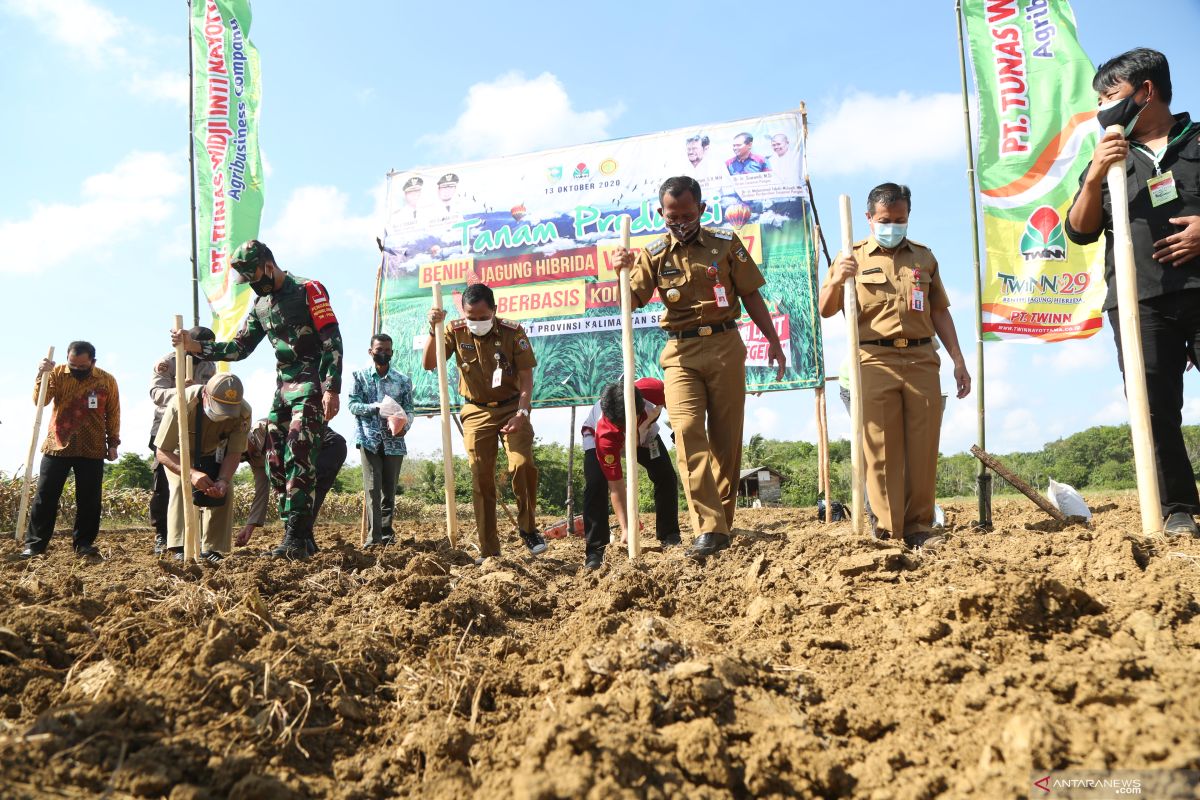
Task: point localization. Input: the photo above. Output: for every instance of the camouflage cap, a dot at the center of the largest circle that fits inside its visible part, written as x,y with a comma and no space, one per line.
247,258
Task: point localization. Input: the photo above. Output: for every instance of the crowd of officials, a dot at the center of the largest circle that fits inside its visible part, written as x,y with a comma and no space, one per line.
704,277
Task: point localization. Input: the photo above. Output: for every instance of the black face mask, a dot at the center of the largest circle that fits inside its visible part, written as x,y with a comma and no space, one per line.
81,374
1123,112
382,359
263,287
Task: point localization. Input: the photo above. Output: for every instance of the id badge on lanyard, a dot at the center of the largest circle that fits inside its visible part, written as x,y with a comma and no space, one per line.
918,294
498,374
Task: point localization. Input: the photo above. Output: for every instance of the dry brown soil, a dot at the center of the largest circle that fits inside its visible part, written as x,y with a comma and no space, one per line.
801,662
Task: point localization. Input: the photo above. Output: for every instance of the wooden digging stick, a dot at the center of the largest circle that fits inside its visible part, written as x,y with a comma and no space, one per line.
1018,484
1131,350
444,401
43,387
191,522
629,368
850,304
823,452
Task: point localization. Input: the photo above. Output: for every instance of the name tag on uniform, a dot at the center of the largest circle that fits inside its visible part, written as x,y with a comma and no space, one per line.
497,377
1162,189
93,401
654,448
219,456
721,297
918,299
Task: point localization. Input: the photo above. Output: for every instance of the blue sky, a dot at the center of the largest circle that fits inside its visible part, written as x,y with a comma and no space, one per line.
94,238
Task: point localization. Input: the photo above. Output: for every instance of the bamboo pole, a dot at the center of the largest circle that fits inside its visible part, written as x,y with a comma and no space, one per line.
444,400
983,480
571,477
631,428
43,387
850,304
191,521
192,171
1131,350
823,452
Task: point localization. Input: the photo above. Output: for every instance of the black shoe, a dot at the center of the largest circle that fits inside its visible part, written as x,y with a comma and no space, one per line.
311,545
30,552
160,542
292,549
87,550
670,540
708,544
211,556
534,541
1180,524
925,540
594,561
175,553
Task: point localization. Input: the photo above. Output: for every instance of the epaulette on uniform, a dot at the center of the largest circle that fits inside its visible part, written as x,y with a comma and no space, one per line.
657,246
918,244
858,244
458,324
719,233
509,323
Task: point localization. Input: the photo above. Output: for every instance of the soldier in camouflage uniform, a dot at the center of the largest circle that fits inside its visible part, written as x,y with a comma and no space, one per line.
294,313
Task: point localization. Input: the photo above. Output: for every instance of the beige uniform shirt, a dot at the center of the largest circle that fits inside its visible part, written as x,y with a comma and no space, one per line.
885,284
228,435
687,276
162,385
505,347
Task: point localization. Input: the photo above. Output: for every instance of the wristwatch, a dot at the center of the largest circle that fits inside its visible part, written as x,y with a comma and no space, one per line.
524,411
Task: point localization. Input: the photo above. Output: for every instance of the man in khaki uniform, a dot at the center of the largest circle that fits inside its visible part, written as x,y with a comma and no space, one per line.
495,378
218,422
901,305
703,276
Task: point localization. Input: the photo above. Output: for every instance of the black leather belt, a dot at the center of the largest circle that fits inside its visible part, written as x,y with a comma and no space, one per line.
900,343
497,404
703,330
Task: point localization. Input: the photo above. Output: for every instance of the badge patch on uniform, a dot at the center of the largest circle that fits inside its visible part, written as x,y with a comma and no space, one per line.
318,306
610,459
93,401
742,255
672,295
711,271
523,344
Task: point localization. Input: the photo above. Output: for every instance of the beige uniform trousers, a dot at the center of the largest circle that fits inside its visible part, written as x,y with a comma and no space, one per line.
481,434
705,383
216,524
902,420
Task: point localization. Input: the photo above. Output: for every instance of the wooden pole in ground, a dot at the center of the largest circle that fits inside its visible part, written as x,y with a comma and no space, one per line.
444,400
1131,351
23,511
1015,481
631,429
823,452
571,477
850,304
191,521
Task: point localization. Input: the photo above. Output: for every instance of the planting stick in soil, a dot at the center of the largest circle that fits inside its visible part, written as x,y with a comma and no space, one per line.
444,400
191,522
850,304
1131,350
631,428
43,387
823,452
1018,484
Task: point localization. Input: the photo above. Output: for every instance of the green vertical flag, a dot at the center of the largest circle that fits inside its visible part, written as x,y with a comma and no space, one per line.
1037,131
229,185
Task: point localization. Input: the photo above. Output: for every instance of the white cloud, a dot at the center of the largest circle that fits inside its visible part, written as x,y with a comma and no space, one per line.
872,134
84,27
513,114
169,86
316,219
115,207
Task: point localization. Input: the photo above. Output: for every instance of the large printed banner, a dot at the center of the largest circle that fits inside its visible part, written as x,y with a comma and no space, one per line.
541,230
1036,134
229,185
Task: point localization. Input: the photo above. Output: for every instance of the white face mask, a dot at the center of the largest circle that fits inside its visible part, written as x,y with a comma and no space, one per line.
479,327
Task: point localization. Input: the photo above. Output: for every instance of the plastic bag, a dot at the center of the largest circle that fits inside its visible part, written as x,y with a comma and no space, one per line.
1067,500
393,412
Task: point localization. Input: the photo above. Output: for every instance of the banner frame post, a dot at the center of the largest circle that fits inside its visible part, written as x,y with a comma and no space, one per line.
629,370
850,304
571,476
444,400
983,479
1149,496
23,508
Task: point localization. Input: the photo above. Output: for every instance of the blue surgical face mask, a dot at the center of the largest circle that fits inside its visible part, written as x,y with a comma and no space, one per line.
889,235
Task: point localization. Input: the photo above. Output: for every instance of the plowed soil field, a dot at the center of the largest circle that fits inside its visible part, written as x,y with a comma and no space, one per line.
802,662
